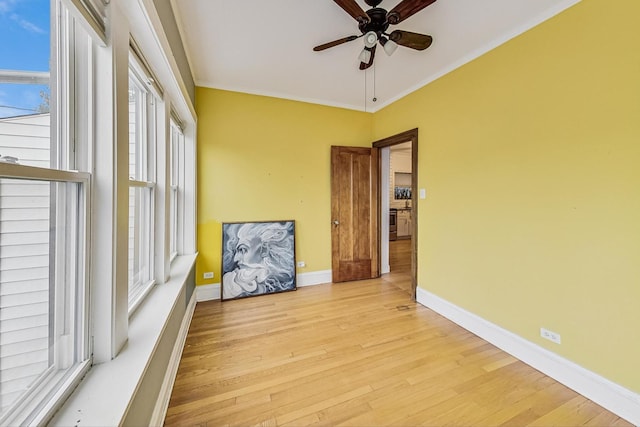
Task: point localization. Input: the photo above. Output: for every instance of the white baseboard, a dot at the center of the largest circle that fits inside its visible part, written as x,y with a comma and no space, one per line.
212,291
617,399
162,404
208,292
313,278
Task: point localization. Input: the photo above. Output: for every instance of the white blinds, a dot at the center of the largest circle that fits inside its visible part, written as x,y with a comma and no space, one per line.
94,13
142,67
177,120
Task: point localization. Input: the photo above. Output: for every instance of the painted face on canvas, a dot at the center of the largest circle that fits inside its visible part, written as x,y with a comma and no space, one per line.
248,252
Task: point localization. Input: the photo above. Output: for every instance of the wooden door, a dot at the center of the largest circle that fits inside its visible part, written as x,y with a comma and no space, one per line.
354,213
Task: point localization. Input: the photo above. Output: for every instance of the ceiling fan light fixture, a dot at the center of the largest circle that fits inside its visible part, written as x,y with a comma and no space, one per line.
389,46
365,55
370,39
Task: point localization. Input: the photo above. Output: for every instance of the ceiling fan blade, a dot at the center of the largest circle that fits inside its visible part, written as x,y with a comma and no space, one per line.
413,40
353,9
364,66
405,9
334,43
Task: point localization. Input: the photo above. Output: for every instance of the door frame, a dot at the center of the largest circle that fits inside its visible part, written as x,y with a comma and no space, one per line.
407,136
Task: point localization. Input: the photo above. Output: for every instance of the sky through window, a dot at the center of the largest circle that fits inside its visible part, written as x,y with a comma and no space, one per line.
25,34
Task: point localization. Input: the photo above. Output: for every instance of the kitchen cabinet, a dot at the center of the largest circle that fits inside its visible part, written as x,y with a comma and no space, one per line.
402,186
404,223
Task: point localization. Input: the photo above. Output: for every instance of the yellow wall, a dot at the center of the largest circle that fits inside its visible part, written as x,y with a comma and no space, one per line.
262,158
531,160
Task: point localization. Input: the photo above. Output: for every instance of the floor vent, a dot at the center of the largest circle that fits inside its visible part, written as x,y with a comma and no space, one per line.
402,307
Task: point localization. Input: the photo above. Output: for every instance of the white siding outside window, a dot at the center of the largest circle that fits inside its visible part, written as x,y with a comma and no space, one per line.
25,250
27,138
25,243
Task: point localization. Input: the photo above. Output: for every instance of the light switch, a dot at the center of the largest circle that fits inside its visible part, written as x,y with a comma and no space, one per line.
423,193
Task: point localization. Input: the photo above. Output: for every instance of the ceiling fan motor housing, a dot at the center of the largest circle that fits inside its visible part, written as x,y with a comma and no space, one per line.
377,21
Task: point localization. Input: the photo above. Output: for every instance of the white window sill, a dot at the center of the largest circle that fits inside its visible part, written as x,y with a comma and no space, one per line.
104,395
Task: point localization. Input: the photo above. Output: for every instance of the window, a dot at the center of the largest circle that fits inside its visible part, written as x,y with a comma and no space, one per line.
141,189
44,209
176,162
64,294
43,324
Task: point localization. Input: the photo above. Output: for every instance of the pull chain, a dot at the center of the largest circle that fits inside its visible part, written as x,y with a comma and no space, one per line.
374,83
366,96
365,91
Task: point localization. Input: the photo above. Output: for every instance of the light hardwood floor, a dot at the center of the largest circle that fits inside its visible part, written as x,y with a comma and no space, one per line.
400,263
357,354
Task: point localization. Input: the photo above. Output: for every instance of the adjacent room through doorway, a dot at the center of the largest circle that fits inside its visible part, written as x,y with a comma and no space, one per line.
398,249
400,208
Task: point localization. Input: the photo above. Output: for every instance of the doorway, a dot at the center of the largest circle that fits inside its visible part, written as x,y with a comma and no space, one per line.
398,208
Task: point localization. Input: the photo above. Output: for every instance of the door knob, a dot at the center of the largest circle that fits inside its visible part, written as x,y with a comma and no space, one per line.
336,222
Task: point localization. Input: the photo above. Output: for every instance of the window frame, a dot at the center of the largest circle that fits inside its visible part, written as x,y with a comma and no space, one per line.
39,402
143,179
176,186
70,123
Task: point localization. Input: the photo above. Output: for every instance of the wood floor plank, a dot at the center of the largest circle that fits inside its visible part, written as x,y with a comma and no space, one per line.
357,354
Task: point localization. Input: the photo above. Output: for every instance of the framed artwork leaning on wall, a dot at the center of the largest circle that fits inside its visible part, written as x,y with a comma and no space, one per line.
258,258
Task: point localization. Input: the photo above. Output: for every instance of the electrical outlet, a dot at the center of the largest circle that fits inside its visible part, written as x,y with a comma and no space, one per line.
301,264
550,335
208,275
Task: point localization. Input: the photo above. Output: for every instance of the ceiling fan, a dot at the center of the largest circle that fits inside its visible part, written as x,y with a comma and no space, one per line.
373,25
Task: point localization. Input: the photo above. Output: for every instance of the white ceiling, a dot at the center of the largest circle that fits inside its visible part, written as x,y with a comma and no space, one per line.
265,46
